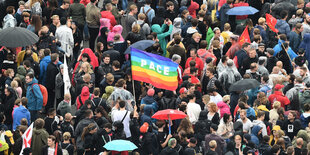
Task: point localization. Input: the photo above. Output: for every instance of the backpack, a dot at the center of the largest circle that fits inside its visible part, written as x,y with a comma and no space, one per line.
142,34
65,151
43,91
48,42
145,13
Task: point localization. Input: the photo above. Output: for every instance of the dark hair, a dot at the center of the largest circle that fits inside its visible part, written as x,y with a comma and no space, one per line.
194,22
107,125
10,9
88,113
177,39
53,138
283,14
63,21
283,37
265,78
226,117
120,83
24,101
122,104
31,76
203,44
27,63
211,70
266,138
36,22
54,57
116,64
246,44
47,52
51,111
193,70
191,96
85,55
260,114
39,123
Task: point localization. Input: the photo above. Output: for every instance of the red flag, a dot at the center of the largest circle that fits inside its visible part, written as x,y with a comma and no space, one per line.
27,138
245,37
271,22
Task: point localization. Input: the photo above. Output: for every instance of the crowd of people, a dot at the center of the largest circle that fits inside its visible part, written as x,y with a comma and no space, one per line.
75,84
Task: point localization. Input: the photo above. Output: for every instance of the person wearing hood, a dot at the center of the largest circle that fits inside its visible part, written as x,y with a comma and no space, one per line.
9,100
170,149
118,132
149,142
176,27
293,94
255,134
260,122
20,113
85,95
274,135
305,44
39,137
108,92
34,96
9,20
279,96
117,29
161,34
146,116
230,75
305,137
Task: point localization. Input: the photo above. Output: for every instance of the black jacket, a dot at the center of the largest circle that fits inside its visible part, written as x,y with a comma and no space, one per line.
102,137
271,62
114,54
51,72
169,151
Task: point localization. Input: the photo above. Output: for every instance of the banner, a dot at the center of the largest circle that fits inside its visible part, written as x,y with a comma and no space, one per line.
159,71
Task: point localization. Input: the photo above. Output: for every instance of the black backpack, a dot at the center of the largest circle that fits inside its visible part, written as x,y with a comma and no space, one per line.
48,42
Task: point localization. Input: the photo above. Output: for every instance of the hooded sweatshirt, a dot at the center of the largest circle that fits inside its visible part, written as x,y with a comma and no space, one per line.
176,27
85,94
161,35
146,117
254,134
18,114
118,29
261,124
34,96
9,21
39,139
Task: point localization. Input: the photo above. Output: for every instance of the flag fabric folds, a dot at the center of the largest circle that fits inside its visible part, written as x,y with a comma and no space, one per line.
159,71
27,138
245,37
271,22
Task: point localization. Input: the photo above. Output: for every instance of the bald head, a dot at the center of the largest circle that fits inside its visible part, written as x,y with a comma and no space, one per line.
299,141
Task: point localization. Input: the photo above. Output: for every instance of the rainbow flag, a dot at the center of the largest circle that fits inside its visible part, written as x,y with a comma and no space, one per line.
159,71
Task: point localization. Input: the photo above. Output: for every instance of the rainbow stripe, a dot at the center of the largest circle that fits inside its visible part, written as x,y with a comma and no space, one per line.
159,71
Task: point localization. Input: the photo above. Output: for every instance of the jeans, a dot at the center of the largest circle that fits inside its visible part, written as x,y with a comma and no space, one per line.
86,31
93,32
124,4
33,115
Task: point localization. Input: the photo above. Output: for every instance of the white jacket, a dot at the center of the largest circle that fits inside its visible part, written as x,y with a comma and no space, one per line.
64,35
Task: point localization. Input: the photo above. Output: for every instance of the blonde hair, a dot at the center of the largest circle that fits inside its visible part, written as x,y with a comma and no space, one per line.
276,105
226,98
54,17
261,21
8,72
216,43
141,16
206,98
196,34
67,96
213,107
66,136
110,77
14,84
136,28
89,70
227,27
212,144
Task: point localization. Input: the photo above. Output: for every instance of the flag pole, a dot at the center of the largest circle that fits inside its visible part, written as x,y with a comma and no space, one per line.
284,48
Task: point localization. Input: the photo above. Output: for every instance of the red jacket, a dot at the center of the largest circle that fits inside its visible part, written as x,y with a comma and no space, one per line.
199,64
279,96
109,15
192,9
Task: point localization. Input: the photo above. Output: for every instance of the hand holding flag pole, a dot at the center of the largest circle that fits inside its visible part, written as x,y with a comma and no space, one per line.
271,22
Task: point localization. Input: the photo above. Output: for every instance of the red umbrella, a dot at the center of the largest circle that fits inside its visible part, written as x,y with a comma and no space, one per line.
169,114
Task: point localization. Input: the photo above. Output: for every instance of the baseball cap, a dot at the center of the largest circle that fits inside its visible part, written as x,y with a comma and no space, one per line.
150,92
278,86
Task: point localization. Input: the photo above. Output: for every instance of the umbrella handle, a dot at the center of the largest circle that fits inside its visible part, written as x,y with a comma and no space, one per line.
169,125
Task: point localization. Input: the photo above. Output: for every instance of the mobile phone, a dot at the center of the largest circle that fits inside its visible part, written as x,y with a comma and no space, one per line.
133,103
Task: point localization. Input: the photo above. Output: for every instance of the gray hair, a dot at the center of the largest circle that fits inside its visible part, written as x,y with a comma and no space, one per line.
230,62
175,57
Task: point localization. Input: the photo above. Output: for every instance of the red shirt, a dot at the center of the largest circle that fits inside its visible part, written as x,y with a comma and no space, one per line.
199,64
279,96
192,9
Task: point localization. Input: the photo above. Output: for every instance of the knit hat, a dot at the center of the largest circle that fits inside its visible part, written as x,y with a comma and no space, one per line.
183,90
150,92
144,127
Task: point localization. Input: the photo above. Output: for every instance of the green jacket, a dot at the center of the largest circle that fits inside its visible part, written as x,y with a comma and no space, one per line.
161,35
210,35
39,139
78,13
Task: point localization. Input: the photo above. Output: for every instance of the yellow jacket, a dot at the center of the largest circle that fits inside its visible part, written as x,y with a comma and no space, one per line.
21,55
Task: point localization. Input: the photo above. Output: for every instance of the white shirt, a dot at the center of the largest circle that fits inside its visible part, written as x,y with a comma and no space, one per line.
216,99
261,124
64,35
118,115
247,125
193,111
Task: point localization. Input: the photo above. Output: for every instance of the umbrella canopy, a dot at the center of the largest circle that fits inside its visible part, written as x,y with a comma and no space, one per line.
169,113
244,85
141,45
120,145
17,37
242,10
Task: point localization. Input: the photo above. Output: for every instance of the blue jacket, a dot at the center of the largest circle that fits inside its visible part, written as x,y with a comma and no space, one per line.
43,65
283,27
18,114
295,40
278,48
305,44
146,117
254,134
149,100
34,96
241,55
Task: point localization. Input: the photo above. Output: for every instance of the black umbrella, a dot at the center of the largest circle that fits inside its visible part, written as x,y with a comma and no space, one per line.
243,85
141,45
17,37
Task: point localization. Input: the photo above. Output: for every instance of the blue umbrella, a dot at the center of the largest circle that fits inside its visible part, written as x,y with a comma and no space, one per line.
242,10
141,45
120,145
